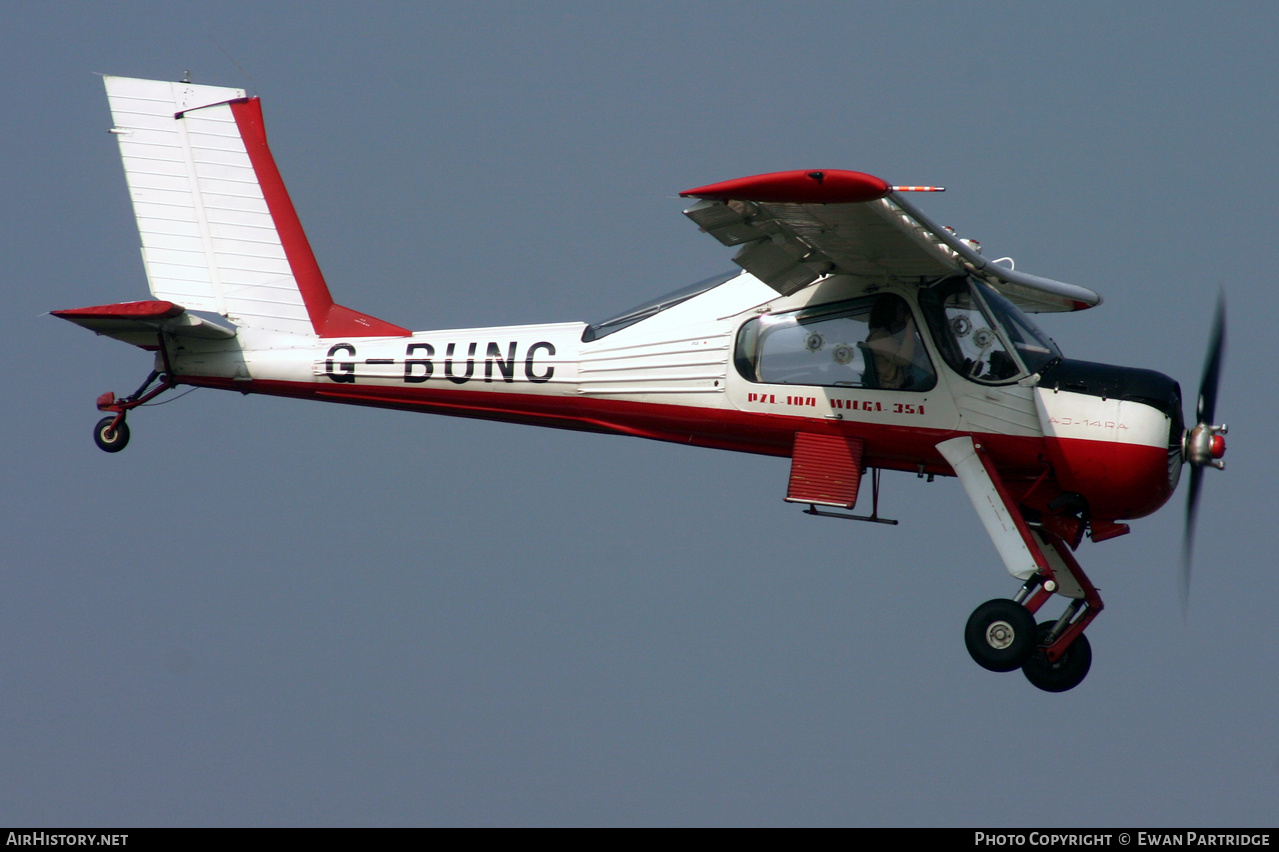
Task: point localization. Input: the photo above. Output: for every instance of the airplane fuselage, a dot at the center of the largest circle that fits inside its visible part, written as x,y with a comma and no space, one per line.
676,376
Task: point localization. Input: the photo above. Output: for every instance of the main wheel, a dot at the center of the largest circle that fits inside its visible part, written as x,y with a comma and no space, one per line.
108,439
1068,672
1001,635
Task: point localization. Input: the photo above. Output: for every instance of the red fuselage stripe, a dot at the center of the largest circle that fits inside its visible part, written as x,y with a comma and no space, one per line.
888,446
1132,487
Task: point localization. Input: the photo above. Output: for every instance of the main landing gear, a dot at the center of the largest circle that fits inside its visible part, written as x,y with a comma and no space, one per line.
1055,656
112,433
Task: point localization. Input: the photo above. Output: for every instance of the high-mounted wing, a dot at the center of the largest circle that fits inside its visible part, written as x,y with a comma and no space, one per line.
796,227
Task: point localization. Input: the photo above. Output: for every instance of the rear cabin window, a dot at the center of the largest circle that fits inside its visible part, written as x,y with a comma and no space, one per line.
653,307
870,342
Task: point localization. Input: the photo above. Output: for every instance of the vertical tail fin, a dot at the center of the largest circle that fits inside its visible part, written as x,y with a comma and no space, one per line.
219,232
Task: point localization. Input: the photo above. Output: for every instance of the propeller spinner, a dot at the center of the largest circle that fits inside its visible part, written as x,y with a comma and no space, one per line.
1204,444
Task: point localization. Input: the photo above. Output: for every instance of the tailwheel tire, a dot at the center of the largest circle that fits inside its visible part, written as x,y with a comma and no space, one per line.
111,440
1001,635
1067,673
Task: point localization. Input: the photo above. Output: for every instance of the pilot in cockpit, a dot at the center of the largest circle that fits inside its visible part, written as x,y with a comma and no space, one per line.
893,344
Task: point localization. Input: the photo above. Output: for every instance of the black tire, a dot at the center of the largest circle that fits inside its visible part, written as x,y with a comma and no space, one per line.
111,440
1067,673
1001,635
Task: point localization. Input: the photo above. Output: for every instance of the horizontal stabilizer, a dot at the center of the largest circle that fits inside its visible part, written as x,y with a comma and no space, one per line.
139,323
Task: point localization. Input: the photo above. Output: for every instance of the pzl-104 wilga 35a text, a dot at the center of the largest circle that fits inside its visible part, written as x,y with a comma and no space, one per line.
859,337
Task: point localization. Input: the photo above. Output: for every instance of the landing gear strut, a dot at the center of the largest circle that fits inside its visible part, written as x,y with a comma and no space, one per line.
1002,635
112,433
1055,655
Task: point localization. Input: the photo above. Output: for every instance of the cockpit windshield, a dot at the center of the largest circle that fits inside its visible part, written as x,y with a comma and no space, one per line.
982,335
596,330
1035,348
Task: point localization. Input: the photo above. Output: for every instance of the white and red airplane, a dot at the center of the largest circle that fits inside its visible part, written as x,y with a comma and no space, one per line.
860,336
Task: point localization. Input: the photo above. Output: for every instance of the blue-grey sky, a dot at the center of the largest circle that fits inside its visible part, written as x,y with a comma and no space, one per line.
270,612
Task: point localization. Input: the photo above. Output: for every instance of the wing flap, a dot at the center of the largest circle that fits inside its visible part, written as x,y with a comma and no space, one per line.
789,246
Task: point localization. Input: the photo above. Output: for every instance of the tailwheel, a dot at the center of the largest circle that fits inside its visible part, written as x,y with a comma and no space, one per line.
110,436
1067,672
1001,635
112,433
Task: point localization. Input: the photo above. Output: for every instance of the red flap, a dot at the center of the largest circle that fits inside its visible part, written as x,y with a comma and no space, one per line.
825,470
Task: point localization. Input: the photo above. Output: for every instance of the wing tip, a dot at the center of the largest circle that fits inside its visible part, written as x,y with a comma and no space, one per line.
802,186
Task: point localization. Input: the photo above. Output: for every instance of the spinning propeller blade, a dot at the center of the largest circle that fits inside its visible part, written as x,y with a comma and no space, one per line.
1212,365
1204,444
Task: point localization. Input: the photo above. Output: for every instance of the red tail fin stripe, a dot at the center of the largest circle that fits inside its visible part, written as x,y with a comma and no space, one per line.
328,319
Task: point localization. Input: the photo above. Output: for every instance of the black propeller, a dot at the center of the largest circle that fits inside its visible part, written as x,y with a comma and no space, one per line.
1203,444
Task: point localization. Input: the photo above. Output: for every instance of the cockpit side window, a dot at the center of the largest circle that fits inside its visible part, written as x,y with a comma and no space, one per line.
871,342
